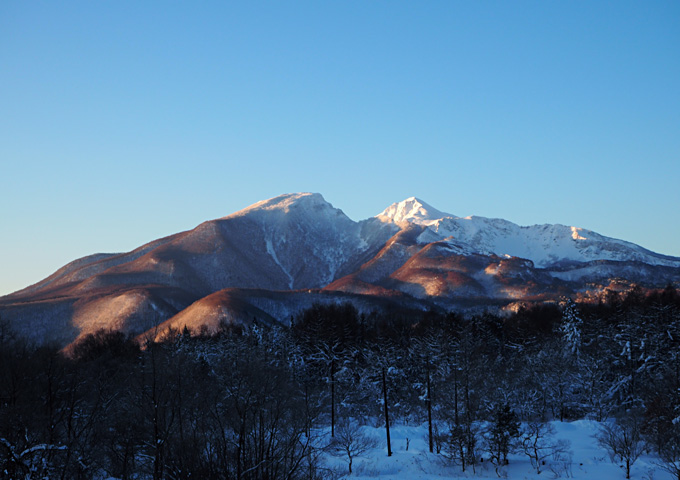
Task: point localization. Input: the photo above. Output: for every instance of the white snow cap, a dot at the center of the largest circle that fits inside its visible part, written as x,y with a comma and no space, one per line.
412,210
304,201
544,245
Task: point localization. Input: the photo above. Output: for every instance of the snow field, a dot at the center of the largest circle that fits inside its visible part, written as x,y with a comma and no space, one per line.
411,459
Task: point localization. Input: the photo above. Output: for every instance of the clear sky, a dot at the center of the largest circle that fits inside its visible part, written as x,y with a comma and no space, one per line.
125,121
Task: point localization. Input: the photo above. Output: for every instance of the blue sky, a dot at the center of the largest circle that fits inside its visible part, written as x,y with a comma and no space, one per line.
122,122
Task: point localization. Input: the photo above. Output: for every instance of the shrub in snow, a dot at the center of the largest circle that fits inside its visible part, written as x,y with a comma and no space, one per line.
561,465
460,445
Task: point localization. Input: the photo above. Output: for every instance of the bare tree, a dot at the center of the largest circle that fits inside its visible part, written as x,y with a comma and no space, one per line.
538,444
350,442
669,450
622,440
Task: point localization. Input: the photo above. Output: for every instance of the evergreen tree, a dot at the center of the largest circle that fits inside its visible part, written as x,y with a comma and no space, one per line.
571,326
503,431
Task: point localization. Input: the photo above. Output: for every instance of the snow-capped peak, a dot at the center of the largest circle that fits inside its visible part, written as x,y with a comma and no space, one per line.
545,245
412,210
286,202
308,239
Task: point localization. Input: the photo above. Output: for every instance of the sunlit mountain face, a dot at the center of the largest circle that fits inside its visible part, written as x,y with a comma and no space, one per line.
271,260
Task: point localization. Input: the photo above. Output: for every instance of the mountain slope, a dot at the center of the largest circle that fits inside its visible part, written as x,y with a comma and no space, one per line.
410,254
236,306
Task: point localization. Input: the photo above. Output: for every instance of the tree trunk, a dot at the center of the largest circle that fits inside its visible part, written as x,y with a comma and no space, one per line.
240,446
333,398
387,417
308,421
429,410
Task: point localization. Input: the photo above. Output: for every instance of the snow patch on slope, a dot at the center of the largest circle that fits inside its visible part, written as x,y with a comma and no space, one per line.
272,252
575,234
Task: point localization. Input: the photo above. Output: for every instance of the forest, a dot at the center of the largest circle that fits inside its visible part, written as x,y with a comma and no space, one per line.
261,402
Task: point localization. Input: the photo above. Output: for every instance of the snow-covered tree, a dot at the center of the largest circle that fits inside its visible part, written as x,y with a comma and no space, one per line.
571,326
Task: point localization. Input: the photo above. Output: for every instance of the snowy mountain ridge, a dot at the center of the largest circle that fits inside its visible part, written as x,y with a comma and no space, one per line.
545,245
412,210
330,236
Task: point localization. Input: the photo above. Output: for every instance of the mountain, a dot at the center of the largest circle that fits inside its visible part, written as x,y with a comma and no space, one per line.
278,256
545,245
464,261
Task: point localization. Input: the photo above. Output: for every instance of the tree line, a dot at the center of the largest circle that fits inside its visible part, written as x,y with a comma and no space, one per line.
263,402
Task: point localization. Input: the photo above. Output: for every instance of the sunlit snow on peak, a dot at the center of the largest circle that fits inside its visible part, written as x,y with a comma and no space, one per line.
286,203
575,233
412,210
544,245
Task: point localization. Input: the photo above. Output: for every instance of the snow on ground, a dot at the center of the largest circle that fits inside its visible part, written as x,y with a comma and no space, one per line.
411,459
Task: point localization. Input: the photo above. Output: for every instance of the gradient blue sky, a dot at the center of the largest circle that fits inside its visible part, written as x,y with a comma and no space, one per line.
125,121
